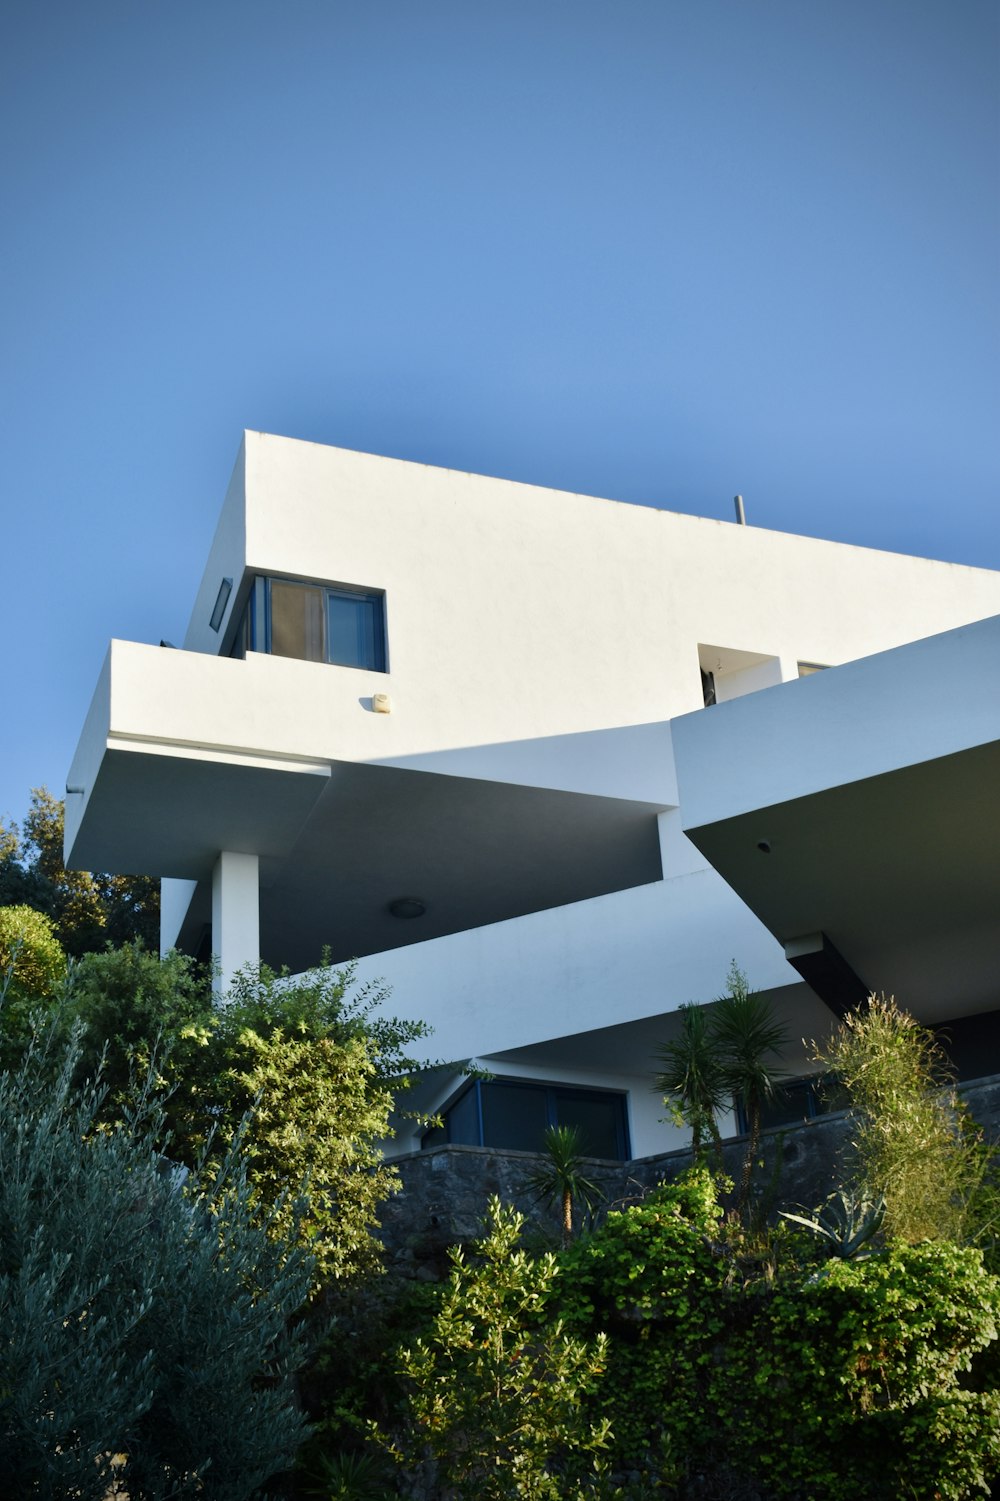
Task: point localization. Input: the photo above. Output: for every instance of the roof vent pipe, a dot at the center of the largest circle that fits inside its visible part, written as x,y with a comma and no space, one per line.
741,515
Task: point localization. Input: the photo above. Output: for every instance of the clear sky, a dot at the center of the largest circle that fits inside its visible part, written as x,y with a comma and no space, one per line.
657,250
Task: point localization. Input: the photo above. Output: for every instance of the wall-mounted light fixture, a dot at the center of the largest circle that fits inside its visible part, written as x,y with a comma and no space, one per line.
407,906
221,601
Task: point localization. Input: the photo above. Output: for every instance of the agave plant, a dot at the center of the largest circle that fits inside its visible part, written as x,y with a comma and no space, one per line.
846,1221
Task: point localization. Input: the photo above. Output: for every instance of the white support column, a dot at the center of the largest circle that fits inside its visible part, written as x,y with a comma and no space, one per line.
235,915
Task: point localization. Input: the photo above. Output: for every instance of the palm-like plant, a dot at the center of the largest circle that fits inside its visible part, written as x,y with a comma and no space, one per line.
746,1036
561,1176
691,1077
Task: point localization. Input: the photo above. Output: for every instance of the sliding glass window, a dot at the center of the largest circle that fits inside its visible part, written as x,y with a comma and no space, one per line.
316,623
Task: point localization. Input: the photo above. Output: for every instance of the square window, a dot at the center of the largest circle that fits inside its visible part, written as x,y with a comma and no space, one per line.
323,623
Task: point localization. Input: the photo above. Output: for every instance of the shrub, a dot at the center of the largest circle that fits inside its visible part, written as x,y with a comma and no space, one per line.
147,1344
496,1385
651,1278
32,962
135,1005
910,1143
317,1067
307,1070
32,968
845,1385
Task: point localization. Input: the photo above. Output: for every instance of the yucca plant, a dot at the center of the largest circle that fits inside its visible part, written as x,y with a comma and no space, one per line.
691,1079
561,1177
747,1036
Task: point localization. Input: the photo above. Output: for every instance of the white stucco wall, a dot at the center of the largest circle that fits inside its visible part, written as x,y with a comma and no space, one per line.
517,612
927,699
613,959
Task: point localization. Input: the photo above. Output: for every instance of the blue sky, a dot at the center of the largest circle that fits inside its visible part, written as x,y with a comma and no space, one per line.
653,250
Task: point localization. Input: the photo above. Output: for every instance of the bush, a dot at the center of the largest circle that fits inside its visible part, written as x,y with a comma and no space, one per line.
496,1385
147,1343
32,962
317,1068
136,1006
32,969
650,1278
307,1070
845,1385
911,1143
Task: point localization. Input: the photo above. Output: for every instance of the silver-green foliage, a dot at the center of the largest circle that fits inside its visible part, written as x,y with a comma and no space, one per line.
145,1339
846,1222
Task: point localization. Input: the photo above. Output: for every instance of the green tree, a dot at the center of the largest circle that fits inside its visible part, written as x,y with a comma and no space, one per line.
147,1346
136,1007
723,1052
308,1070
32,962
89,911
496,1388
32,970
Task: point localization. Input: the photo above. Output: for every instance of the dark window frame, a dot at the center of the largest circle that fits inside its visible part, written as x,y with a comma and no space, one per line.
253,630
553,1092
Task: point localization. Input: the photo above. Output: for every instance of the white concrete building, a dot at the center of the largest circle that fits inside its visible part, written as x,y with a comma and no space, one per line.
455,727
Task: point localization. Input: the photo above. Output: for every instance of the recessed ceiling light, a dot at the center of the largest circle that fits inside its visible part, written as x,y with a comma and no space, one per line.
407,906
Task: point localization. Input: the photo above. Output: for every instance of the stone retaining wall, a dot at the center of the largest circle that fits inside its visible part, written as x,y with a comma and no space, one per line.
444,1191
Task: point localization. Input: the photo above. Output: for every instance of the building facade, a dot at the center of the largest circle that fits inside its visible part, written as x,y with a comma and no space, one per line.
520,752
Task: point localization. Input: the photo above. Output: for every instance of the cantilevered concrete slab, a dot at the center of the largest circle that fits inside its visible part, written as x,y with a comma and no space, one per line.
863,803
180,761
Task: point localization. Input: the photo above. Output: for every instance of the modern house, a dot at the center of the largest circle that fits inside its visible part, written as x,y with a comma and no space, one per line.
548,763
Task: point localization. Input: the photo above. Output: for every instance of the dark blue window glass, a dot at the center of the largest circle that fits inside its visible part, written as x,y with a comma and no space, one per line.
513,1115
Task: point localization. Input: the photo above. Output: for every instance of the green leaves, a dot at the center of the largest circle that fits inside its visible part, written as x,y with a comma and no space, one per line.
146,1332
561,1176
724,1052
911,1143
860,1397
496,1384
846,1222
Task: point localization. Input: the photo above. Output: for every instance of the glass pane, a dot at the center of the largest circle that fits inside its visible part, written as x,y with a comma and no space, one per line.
355,626
514,1116
463,1120
297,621
598,1118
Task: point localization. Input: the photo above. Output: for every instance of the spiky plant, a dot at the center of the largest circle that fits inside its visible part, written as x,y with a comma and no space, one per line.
846,1221
691,1078
747,1037
561,1177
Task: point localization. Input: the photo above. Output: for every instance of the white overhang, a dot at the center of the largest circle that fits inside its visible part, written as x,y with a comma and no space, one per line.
863,803
184,755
